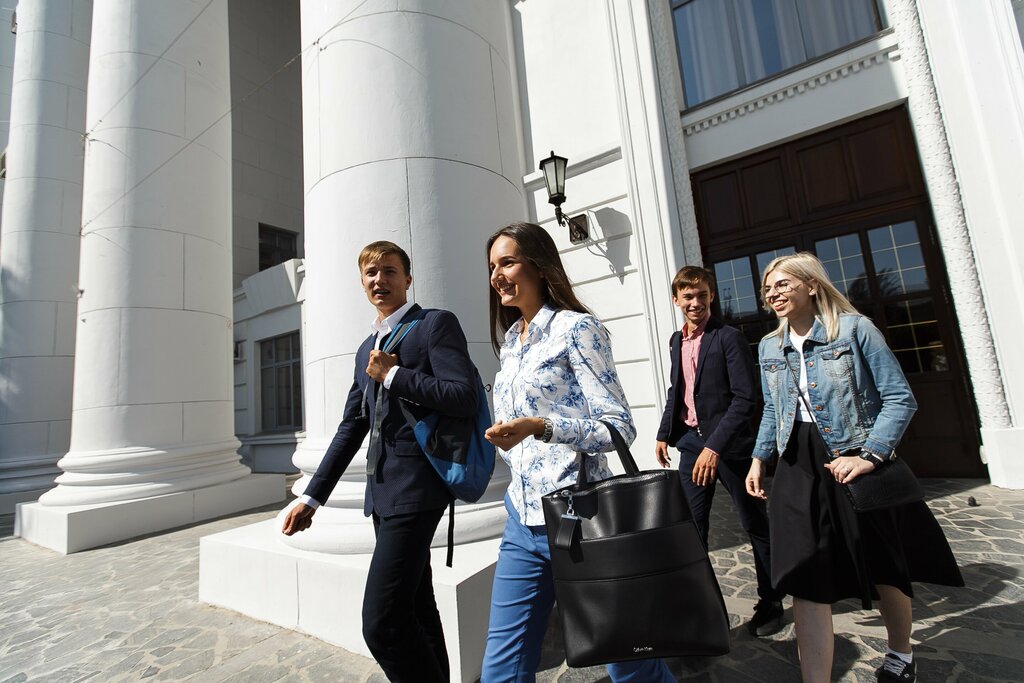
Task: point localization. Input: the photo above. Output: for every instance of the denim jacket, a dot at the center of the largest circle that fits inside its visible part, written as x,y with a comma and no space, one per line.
860,398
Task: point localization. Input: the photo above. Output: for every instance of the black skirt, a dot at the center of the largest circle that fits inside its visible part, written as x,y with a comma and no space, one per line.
825,551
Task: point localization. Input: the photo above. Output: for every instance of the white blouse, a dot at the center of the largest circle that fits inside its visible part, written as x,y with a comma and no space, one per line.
564,372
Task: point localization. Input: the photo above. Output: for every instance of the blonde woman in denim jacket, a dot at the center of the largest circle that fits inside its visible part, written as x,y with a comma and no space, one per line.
823,551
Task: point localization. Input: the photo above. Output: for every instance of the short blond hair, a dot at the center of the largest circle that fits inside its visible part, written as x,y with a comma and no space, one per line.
375,251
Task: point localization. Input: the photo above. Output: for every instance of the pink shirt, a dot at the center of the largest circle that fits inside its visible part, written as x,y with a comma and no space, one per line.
689,351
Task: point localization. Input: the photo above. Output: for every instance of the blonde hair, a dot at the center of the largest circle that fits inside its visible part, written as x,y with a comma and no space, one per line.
829,302
375,251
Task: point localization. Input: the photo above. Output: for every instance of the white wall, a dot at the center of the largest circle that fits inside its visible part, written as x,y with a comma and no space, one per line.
978,66
571,100
266,125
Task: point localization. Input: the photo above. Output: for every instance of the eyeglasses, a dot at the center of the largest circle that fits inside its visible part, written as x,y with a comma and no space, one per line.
780,287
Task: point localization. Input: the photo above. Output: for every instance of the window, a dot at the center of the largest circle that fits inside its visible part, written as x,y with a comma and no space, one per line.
281,383
725,45
276,246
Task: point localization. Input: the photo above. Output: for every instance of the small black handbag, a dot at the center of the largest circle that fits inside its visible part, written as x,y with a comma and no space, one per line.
632,576
890,484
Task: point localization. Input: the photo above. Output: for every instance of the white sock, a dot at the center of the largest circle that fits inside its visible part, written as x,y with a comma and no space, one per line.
905,657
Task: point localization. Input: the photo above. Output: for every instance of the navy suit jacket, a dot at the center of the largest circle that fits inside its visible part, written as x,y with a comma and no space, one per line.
435,375
725,392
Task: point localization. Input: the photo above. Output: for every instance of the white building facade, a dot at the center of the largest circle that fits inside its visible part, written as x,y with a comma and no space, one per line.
188,184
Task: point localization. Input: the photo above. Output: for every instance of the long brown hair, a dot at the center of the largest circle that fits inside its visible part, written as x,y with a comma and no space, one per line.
537,247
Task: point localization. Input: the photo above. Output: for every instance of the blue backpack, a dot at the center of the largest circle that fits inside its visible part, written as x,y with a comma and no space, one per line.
456,447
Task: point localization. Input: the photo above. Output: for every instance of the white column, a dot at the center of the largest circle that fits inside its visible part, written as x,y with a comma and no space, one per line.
427,157
7,40
152,443
42,213
410,135
974,51
956,238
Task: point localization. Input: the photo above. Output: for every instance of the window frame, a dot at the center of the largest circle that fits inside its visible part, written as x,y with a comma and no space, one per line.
880,21
294,366
265,229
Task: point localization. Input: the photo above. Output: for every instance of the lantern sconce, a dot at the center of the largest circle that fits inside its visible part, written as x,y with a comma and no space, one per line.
553,169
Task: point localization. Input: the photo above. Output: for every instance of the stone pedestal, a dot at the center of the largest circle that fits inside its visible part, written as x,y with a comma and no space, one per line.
248,570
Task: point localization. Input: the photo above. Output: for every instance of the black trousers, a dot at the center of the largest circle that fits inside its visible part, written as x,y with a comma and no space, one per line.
401,625
753,513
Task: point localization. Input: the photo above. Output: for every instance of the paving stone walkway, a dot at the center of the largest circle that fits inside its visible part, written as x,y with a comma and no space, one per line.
129,612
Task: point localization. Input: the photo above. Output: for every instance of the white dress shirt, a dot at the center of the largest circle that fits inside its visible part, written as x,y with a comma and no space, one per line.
381,328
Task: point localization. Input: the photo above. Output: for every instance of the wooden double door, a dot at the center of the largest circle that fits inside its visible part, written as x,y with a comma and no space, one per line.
853,196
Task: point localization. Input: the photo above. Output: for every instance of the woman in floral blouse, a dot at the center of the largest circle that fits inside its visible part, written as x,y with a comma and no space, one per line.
557,380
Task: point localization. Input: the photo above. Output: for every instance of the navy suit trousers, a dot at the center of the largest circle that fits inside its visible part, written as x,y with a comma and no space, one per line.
401,625
753,513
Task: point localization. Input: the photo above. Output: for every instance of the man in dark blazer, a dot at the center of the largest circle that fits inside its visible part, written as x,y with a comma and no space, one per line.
711,402
432,372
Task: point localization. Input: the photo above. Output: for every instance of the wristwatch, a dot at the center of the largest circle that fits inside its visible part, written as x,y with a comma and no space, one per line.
871,457
549,430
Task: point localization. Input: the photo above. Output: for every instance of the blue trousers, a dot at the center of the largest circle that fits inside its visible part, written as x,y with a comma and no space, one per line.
521,602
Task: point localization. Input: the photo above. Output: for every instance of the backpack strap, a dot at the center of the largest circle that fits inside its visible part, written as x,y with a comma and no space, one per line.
451,533
387,346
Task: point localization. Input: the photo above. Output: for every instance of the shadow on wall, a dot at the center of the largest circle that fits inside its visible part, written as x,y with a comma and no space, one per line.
616,231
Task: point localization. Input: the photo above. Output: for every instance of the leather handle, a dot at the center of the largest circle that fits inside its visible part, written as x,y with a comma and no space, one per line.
625,457
628,463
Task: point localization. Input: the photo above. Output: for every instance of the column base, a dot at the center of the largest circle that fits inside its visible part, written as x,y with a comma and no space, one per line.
249,570
69,529
1003,452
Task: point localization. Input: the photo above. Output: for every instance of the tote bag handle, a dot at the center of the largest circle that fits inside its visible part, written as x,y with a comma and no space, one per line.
625,457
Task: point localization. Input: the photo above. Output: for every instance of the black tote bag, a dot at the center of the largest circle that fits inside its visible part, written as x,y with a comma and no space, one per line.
632,577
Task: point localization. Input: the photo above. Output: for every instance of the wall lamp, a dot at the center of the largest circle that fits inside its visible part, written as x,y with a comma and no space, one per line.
553,169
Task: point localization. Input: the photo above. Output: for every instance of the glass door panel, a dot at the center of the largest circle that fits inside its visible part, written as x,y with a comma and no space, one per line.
736,289
843,258
899,262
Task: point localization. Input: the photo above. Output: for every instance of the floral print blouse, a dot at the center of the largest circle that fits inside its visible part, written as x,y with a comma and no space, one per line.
564,372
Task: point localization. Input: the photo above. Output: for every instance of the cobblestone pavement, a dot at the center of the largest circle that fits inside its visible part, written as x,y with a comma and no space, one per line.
130,612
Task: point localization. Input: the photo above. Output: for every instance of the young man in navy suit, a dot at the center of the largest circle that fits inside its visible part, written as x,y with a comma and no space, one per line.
431,371
710,404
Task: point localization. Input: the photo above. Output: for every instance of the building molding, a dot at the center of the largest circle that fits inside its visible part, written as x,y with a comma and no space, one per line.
666,63
590,161
818,79
950,220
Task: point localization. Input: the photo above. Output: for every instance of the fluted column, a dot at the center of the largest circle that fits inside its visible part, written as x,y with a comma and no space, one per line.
152,403
950,220
42,213
409,131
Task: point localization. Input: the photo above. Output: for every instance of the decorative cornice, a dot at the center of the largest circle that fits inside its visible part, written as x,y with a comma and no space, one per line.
818,80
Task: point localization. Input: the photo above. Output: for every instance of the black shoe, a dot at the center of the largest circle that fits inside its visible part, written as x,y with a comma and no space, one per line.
895,670
767,618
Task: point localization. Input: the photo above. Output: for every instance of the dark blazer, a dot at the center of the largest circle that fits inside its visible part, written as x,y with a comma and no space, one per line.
436,375
725,394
